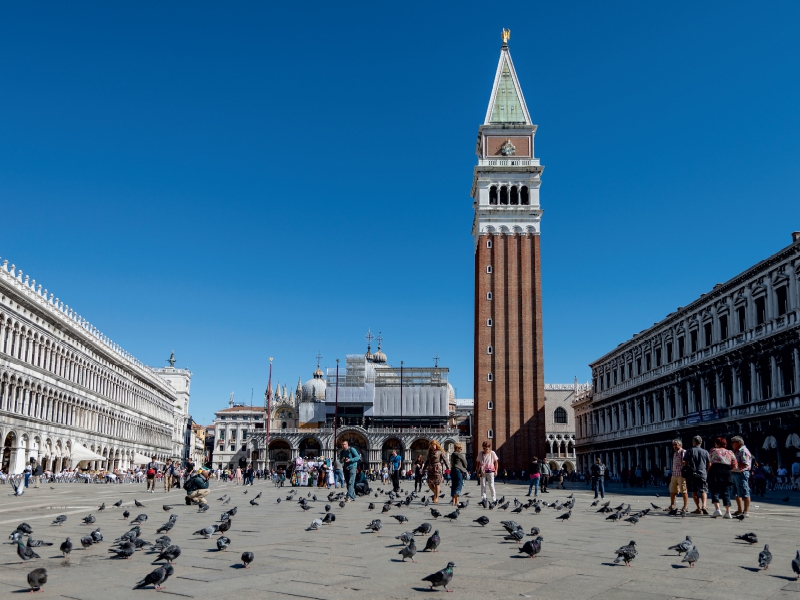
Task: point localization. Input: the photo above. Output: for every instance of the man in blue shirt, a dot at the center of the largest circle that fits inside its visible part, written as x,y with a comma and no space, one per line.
395,461
350,457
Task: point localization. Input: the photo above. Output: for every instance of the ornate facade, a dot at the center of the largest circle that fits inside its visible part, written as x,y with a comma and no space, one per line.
509,359
560,423
726,364
68,394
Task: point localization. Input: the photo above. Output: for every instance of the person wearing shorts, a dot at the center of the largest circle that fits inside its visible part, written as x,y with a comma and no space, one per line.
677,483
151,472
741,476
697,460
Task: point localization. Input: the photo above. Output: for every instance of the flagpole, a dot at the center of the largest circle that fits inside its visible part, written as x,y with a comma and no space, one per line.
269,412
336,409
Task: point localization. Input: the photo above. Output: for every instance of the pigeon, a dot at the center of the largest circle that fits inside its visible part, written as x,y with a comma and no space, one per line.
207,532
453,516
139,519
137,503
515,536
433,542
87,541
223,542
96,536
764,557
315,524
502,507
18,489
126,514
462,505
102,507
796,564
595,503
245,493
170,554
692,556
328,507
37,543
328,518
532,547
258,495
510,526
435,513
117,504
156,577
375,525
655,507
565,516
441,578
36,579
125,550
517,510
387,507
166,527
279,501
223,527
253,502
626,553
400,518
633,519
129,535
409,551
423,529
25,553
751,538
247,558
615,517
88,520
66,548
15,536
220,499
405,537
161,543
60,520
683,546
227,500
483,521
166,508
140,543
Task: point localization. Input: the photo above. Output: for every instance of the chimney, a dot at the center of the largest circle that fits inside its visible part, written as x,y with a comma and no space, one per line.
795,236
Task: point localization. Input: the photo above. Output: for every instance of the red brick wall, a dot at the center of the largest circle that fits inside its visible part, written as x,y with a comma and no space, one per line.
517,362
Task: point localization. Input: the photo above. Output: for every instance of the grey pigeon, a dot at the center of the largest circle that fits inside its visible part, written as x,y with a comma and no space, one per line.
433,542
405,537
453,516
796,564
692,556
139,519
247,558
532,547
253,502
423,529
89,520
764,557
60,520
441,578
328,507
515,536
683,546
223,542
102,507
223,527
328,518
375,525
534,531
315,525
87,541
18,489
126,514
66,548
125,550
751,538
37,578
170,554
565,516
32,543
137,503
626,553
97,536
435,513
15,536
166,507
161,543
633,519
409,551
207,532
118,503
166,527
400,518
25,553
156,577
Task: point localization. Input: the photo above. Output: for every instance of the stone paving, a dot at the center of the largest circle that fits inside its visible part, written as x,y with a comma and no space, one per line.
345,561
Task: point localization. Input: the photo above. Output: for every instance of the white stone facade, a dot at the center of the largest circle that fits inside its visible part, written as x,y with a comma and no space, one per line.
560,423
63,384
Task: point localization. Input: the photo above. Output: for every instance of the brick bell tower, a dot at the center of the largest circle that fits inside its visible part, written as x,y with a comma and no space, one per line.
509,362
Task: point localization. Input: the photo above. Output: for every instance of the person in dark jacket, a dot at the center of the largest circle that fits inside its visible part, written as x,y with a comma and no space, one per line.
535,475
197,487
598,472
458,471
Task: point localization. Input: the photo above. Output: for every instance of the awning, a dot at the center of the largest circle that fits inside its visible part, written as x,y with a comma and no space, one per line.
79,453
141,459
770,443
793,440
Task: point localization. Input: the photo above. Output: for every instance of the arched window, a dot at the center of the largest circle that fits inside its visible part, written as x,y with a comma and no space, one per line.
493,195
504,195
560,415
523,195
283,425
514,195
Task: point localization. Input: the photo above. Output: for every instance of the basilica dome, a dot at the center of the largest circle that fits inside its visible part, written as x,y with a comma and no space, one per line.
379,357
314,389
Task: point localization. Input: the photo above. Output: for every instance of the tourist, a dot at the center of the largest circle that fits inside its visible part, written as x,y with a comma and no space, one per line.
741,476
169,472
544,469
759,479
505,476
486,465
783,474
721,463
560,476
338,473
151,470
239,476
249,475
677,482
697,461
350,458
796,475
197,487
419,469
458,470
598,473
395,465
435,464
384,474
535,475
361,486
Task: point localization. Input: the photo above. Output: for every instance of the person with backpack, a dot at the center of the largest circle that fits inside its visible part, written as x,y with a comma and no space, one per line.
395,461
150,471
535,475
598,472
350,457
197,487
169,473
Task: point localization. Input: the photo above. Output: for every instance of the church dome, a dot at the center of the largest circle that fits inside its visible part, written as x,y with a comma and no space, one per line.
379,357
314,389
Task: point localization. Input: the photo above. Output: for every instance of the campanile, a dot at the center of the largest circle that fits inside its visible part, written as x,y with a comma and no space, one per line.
509,362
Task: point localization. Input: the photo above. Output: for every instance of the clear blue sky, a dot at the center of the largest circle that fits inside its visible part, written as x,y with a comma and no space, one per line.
239,181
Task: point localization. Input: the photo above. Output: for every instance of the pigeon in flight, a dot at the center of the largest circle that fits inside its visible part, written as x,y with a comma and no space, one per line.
532,547
692,556
18,489
441,578
409,551
764,557
253,502
37,578
247,558
683,546
156,577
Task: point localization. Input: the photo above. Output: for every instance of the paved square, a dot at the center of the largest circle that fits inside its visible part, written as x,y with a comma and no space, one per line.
344,560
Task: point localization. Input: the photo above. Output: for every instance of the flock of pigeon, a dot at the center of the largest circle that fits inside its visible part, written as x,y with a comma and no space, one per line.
125,546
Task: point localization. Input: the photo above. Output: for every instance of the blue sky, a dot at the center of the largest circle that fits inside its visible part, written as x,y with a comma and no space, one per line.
271,179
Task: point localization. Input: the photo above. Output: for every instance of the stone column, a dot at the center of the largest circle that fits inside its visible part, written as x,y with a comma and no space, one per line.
774,379
754,387
736,395
796,369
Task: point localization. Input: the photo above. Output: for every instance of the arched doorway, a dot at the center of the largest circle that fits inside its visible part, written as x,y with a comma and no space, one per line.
9,445
310,447
280,453
419,448
357,441
388,446
568,467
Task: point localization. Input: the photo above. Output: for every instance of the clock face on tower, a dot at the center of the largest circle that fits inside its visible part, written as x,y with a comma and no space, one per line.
508,149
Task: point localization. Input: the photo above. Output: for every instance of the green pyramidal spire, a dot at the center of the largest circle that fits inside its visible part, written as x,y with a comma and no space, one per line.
507,104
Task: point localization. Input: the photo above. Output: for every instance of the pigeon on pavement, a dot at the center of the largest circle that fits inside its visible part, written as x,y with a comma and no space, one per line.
532,547
764,557
626,553
156,577
564,517
375,525
125,550
25,553
60,520
751,538
247,558
409,551
453,516
223,542
170,554
37,578
692,556
441,578
796,564
88,520
683,546
433,542
207,532
483,521
423,529
137,503
66,548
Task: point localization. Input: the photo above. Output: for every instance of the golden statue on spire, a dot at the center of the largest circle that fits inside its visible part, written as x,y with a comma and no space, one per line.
506,35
